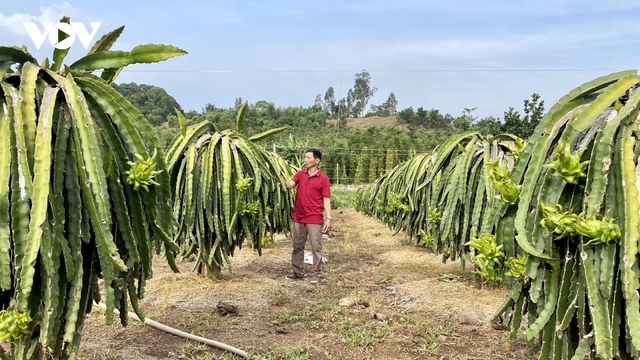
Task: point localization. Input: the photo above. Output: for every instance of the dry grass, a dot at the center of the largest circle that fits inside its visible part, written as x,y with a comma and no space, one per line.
453,297
366,262
419,260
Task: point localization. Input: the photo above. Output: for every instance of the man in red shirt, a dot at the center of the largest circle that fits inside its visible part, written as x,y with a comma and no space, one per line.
313,194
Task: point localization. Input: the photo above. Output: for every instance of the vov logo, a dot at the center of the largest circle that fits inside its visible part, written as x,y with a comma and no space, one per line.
73,30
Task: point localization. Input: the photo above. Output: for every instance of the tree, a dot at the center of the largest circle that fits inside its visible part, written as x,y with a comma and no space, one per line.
512,123
422,116
391,105
330,102
388,108
317,104
534,111
408,116
209,108
350,101
238,103
341,107
153,101
488,126
524,126
362,91
466,120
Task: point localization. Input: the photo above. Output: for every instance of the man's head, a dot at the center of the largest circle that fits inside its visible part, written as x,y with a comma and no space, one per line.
312,158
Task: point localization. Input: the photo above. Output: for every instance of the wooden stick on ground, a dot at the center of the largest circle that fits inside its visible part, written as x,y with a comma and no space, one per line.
183,334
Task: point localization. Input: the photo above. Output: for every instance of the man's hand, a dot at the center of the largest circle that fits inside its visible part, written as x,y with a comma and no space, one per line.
290,184
327,226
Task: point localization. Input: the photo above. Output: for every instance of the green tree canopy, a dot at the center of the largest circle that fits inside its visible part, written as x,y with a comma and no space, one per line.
152,101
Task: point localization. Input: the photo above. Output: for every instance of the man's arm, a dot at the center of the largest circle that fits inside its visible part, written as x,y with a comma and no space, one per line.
293,182
290,184
327,211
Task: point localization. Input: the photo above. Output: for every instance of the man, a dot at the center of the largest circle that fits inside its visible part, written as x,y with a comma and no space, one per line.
312,196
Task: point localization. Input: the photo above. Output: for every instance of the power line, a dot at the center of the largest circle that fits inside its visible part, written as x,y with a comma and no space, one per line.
214,71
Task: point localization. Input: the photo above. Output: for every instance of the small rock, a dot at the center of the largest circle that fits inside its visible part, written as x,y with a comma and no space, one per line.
465,319
381,317
496,324
406,300
347,302
281,330
363,303
275,323
225,309
392,291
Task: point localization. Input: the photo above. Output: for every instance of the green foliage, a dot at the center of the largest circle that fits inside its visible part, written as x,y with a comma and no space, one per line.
501,180
565,224
446,194
362,170
488,270
515,266
523,127
342,198
516,147
560,222
489,260
243,183
68,215
488,126
154,103
330,106
391,159
434,215
374,160
307,127
225,190
426,239
388,108
565,164
13,324
430,119
487,247
396,202
577,286
362,92
143,173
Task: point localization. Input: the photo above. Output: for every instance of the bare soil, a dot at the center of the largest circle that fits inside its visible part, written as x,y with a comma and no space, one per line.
419,306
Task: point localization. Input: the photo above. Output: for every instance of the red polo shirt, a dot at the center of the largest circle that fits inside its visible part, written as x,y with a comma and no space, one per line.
310,195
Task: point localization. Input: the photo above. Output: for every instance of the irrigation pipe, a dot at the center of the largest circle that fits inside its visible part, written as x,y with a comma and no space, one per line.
183,334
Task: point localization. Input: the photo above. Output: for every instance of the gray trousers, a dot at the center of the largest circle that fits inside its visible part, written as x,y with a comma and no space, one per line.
300,232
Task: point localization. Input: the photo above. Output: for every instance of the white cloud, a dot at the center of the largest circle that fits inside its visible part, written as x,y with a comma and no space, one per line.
51,13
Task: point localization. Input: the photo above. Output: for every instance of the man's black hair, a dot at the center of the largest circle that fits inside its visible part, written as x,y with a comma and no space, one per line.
316,153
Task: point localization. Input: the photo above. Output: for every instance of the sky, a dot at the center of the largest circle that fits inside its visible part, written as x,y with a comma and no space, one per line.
447,55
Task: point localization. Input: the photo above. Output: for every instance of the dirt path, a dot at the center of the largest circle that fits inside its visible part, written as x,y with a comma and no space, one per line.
283,319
